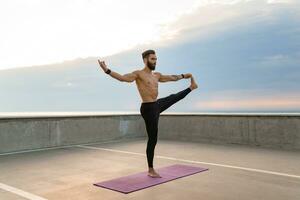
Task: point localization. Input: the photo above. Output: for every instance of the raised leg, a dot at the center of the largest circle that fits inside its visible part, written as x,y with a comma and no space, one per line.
166,102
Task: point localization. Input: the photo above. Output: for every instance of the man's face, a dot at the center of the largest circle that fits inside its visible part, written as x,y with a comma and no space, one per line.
151,61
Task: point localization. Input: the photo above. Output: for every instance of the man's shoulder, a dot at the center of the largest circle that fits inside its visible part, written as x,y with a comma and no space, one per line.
158,73
136,72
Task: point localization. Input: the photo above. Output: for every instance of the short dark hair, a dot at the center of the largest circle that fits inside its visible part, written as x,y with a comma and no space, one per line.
146,53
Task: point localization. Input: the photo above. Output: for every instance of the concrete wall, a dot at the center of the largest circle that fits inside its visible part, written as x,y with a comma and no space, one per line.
33,132
18,134
274,131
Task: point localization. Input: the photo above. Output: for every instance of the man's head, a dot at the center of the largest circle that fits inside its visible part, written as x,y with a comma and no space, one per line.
149,58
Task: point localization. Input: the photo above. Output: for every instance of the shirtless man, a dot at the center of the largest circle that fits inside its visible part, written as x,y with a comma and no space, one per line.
151,107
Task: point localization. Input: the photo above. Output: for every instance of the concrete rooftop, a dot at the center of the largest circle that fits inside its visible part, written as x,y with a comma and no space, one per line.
235,171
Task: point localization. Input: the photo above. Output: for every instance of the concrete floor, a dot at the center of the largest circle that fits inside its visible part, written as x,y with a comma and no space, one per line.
235,172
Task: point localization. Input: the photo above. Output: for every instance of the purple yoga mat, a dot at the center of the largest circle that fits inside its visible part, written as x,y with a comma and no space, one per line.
141,180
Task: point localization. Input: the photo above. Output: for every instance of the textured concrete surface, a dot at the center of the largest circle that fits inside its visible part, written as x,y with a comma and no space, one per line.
32,131
17,134
274,131
235,171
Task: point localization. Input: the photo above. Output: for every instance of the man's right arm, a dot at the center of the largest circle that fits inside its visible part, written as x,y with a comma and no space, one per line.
130,77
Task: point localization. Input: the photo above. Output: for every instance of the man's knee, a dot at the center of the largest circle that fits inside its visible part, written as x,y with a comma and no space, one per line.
152,141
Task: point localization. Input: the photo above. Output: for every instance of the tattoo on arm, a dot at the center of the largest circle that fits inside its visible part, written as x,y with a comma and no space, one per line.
176,77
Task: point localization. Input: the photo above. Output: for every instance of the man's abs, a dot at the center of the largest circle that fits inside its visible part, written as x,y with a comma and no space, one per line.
148,94
148,87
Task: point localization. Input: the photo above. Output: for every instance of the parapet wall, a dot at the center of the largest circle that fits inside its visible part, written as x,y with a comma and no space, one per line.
20,132
266,130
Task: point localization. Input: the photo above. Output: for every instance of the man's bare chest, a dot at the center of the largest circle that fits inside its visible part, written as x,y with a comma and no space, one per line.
149,80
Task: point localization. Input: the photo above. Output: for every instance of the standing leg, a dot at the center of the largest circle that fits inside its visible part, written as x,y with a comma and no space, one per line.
150,113
152,129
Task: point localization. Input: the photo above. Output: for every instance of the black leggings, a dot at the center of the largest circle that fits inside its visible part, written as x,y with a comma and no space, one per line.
150,112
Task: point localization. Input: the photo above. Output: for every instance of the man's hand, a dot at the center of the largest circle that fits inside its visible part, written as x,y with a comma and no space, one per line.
188,75
102,65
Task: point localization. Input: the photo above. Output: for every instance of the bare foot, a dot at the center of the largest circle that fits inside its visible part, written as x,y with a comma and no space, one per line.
152,173
193,84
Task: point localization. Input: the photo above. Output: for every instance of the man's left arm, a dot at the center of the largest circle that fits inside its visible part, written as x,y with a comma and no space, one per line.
166,78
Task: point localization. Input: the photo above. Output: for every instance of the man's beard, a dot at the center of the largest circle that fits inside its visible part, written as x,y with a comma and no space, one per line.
151,66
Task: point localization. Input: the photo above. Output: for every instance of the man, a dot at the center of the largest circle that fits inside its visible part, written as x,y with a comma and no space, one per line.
151,107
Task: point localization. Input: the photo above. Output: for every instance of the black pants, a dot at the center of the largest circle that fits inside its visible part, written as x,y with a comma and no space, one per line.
150,112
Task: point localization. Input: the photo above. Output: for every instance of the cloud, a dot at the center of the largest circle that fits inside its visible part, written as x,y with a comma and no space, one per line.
281,1
280,60
252,99
212,18
251,104
42,32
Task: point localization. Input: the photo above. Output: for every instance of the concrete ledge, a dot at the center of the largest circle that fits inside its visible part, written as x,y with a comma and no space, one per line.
17,115
18,134
280,132
26,131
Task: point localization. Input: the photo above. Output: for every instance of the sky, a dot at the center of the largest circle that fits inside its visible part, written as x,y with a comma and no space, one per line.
49,31
244,54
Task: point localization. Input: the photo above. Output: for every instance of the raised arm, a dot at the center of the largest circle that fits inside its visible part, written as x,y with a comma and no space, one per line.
130,77
166,78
